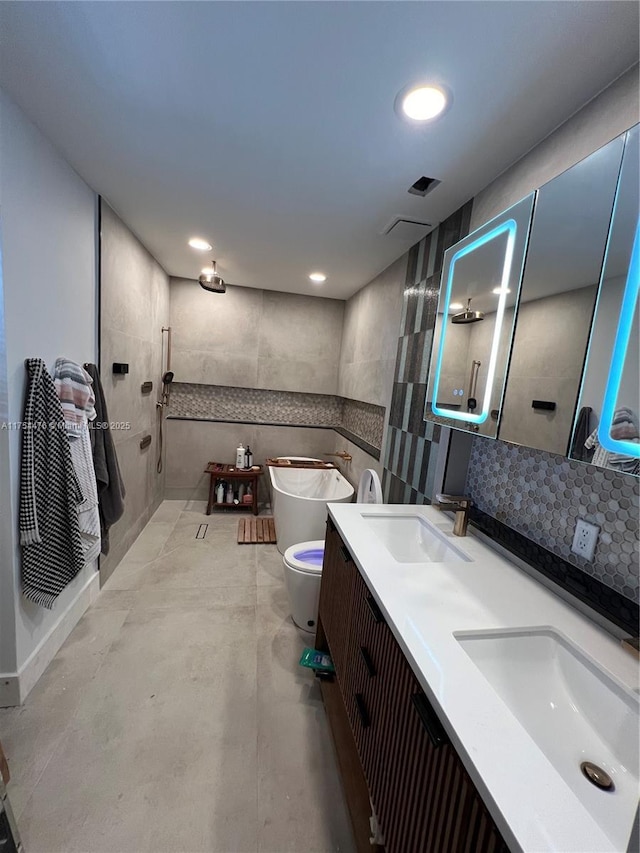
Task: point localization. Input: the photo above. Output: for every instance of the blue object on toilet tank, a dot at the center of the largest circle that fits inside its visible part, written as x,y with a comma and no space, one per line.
314,556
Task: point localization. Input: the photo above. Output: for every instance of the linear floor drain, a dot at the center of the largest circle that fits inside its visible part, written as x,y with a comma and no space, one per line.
202,531
597,776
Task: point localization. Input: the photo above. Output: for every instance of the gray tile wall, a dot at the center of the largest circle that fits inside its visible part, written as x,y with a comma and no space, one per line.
364,420
259,406
254,338
541,495
134,307
254,405
370,336
191,444
410,454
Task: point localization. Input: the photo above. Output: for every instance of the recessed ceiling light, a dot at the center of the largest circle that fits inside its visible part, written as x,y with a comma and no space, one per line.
499,290
318,277
200,244
456,306
422,103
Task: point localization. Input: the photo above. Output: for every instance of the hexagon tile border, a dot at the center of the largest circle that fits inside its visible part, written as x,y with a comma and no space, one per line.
541,495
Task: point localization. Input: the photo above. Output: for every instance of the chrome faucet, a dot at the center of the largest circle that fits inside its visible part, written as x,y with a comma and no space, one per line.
346,457
460,504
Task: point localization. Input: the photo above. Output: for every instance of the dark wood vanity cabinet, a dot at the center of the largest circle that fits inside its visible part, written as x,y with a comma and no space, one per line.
423,797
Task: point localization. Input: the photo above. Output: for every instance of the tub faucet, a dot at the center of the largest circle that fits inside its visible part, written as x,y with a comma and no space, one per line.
460,504
346,457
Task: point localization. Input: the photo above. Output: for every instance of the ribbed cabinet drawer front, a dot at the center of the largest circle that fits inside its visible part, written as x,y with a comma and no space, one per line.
336,599
363,686
424,797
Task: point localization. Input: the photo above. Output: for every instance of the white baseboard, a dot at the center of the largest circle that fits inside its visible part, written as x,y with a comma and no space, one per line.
16,686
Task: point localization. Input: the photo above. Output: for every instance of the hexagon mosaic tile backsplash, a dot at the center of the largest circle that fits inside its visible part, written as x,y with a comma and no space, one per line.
542,495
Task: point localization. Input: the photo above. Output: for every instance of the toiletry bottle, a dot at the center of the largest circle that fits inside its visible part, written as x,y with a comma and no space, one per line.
220,491
229,494
248,457
241,489
240,456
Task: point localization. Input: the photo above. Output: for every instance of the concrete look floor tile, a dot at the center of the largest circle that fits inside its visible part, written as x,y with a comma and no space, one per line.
280,676
193,599
188,531
164,799
273,605
174,710
195,506
114,599
270,568
32,734
168,511
199,566
176,717
300,800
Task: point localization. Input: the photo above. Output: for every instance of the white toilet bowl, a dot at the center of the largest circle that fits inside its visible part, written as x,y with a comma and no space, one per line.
303,563
302,574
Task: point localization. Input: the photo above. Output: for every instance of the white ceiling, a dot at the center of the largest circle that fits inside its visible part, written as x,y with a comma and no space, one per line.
269,127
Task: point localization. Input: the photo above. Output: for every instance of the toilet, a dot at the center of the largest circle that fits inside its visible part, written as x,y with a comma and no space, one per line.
303,563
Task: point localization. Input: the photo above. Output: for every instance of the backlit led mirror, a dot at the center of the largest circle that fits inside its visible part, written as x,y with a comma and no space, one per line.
480,284
606,426
557,299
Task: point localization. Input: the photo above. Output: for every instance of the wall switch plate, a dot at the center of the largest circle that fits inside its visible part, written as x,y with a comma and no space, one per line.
585,539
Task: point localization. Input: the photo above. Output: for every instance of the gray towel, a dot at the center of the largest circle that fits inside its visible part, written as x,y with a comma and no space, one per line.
111,491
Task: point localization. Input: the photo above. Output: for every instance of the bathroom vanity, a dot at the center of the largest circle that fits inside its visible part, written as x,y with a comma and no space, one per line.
473,693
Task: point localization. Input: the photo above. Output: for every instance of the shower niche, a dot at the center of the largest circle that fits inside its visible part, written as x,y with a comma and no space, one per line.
523,299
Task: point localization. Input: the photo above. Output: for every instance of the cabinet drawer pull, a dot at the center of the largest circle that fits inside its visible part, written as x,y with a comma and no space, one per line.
362,711
346,556
372,604
366,657
429,720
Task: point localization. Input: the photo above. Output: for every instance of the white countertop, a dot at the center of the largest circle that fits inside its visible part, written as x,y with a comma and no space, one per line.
424,604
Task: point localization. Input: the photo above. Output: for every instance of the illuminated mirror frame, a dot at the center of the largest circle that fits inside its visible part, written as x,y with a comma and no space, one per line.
621,344
510,227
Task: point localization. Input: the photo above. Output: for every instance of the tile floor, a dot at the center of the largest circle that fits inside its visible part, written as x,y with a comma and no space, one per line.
176,717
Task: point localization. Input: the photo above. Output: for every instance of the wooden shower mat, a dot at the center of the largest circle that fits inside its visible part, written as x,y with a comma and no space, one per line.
256,531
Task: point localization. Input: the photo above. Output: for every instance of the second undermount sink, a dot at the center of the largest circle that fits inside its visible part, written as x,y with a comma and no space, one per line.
411,539
574,710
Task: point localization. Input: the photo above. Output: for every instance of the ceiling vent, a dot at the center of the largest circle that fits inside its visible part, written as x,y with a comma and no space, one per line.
423,186
406,229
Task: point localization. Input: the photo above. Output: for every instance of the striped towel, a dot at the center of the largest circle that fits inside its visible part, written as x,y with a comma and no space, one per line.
50,538
73,385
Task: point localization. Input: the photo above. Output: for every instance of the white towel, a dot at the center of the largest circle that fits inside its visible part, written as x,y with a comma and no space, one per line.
73,385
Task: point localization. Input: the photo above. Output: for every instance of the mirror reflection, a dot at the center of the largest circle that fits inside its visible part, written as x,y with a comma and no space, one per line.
480,283
606,428
559,288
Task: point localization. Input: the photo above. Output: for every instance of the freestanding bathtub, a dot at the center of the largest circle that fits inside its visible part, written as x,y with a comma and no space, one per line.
300,497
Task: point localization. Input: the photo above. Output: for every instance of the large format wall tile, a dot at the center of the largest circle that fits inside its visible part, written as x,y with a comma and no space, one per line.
410,453
134,296
252,338
293,374
370,333
193,443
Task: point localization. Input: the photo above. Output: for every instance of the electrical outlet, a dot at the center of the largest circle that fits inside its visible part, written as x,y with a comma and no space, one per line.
585,539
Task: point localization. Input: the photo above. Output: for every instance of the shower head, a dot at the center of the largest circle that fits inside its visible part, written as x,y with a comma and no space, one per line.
167,379
467,316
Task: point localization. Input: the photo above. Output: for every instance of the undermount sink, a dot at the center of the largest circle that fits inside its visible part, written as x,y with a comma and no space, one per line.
411,539
575,712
